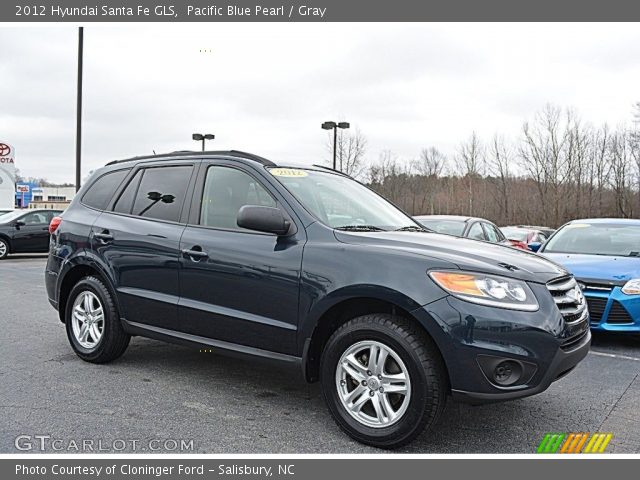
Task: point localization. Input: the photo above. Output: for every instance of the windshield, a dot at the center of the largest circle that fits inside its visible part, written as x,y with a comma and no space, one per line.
516,234
7,217
341,202
450,227
596,239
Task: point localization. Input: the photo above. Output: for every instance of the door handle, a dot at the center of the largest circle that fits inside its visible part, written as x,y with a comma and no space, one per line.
103,237
195,253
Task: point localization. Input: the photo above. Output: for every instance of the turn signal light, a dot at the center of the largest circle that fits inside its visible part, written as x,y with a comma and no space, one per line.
55,223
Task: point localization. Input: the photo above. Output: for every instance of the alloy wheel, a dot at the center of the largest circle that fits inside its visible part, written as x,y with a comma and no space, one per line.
373,384
87,319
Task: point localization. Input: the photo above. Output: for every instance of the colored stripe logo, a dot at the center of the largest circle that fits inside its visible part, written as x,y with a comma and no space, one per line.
574,442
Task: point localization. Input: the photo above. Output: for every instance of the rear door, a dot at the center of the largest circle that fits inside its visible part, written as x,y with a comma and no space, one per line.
238,286
138,237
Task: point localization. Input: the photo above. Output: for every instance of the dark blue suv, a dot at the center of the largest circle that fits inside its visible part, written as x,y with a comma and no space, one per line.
305,265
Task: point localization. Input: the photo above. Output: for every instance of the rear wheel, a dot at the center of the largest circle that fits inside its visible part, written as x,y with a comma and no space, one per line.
4,249
93,324
383,380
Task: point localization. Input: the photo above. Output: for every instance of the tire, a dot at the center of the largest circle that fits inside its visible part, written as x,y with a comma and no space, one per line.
108,341
4,249
410,353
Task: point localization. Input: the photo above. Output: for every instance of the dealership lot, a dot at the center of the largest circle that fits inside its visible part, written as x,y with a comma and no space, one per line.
164,392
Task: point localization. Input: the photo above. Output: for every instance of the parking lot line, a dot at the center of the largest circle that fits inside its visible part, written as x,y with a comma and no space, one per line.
612,355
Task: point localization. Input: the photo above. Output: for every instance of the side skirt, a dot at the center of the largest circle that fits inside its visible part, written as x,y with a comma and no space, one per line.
181,338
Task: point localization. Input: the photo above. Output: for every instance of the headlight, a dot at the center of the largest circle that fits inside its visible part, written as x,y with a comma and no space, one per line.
487,290
632,287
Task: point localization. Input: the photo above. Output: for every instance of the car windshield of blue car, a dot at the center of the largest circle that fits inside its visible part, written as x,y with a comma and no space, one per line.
340,202
596,239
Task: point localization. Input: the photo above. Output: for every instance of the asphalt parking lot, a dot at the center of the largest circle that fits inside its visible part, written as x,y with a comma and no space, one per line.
164,392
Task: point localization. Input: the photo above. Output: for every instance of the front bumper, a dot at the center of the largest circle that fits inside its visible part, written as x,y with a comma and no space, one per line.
467,333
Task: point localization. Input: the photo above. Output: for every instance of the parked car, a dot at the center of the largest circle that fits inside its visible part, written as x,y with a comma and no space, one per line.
604,256
547,231
25,231
2,212
525,238
461,226
305,265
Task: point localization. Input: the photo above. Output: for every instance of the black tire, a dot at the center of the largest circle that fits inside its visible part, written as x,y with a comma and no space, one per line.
114,340
4,249
428,381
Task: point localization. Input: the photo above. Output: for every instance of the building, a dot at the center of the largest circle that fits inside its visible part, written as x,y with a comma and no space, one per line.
51,197
24,192
7,176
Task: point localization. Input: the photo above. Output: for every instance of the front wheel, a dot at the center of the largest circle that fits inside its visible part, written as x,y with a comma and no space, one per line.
383,380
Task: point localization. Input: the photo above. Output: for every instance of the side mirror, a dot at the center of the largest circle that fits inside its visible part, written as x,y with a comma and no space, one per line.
19,223
263,219
534,246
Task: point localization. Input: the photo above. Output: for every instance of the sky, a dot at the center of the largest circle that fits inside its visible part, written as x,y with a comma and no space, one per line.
266,88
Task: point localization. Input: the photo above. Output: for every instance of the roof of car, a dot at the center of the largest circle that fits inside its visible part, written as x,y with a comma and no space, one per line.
232,154
619,221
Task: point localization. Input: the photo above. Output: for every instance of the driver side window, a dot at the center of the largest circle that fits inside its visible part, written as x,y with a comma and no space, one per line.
226,191
35,218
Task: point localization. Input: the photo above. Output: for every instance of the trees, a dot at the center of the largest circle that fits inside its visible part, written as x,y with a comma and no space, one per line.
559,168
470,163
350,151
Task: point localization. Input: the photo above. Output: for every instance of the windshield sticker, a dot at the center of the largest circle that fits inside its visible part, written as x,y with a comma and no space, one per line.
288,172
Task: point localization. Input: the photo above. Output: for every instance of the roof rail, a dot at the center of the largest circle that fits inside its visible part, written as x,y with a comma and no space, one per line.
324,167
230,153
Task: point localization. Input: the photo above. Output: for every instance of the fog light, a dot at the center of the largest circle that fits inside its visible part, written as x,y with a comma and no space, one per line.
507,373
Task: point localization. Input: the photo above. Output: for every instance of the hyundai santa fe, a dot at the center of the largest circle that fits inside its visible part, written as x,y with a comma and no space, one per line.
305,265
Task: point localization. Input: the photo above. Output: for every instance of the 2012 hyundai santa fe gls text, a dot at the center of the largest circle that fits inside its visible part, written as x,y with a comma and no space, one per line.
306,265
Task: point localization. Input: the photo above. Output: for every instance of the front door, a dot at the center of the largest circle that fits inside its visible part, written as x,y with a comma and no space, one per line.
31,232
236,285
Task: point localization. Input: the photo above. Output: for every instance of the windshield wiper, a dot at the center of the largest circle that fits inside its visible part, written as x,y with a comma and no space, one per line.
411,228
361,228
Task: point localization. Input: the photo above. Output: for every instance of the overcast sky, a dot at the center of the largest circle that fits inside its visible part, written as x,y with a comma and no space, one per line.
266,88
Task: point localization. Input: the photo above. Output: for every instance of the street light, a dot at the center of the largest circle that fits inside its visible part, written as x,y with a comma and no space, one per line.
198,137
335,126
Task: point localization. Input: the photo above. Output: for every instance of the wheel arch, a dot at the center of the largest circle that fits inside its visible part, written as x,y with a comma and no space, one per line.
79,268
343,310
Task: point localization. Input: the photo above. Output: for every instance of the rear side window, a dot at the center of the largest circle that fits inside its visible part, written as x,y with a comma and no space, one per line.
101,191
476,232
161,192
492,233
125,202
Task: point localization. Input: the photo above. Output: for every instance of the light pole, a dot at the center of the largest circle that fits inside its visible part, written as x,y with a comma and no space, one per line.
199,137
79,109
335,126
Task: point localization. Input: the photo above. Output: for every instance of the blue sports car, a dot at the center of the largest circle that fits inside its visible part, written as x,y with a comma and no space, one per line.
604,256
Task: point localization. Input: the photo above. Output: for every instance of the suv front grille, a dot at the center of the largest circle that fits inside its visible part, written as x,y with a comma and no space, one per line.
569,299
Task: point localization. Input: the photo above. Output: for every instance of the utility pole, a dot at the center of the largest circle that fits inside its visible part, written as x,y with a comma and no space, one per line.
79,110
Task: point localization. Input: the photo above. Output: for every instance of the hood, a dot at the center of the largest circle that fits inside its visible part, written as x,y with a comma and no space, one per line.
466,254
598,267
